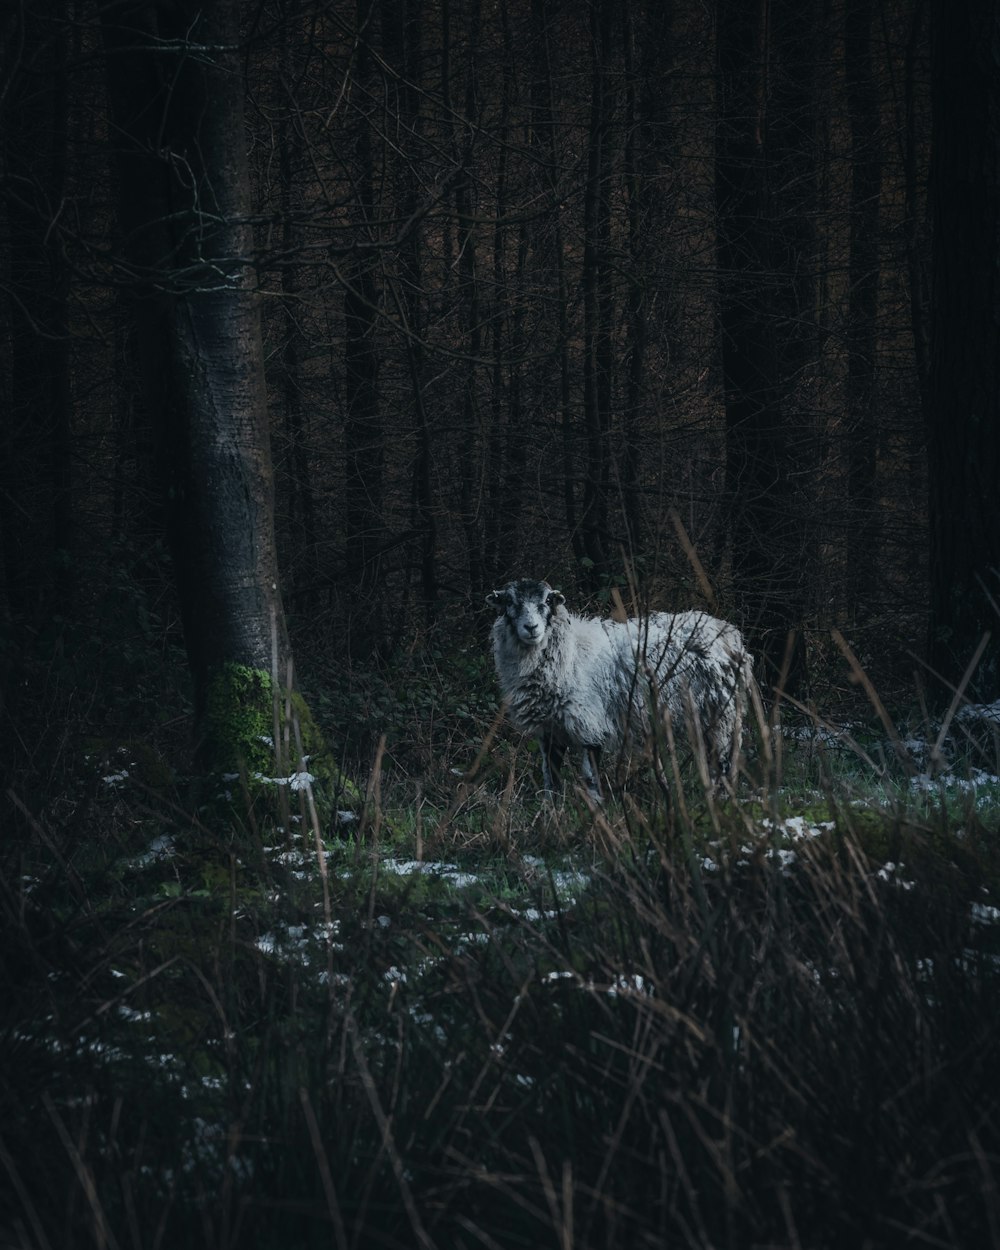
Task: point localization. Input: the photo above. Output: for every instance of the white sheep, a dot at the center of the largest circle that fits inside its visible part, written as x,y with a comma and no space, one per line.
580,682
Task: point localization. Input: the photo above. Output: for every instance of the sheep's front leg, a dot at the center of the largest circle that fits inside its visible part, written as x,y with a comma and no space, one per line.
552,758
591,774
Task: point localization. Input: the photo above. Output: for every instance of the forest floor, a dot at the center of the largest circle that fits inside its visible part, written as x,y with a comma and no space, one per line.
457,1015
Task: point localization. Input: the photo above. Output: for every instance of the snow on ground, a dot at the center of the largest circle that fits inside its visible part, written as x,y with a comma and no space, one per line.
798,826
977,780
979,713
433,868
160,848
793,828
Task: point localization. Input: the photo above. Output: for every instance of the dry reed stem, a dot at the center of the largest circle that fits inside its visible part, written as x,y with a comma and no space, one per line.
862,678
693,559
957,698
323,1164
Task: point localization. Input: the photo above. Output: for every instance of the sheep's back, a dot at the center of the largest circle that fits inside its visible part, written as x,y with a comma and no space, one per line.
698,660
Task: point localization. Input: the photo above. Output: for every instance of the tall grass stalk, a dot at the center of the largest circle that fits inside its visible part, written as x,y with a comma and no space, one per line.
670,1021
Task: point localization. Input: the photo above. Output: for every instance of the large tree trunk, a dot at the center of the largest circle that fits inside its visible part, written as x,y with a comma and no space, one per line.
176,85
964,383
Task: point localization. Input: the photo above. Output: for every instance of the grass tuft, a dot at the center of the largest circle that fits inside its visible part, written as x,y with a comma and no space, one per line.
762,1015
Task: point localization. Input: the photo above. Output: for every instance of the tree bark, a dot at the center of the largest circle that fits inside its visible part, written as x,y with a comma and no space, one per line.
552,253
303,574
863,275
364,438
763,191
176,86
471,320
402,38
637,198
597,304
964,382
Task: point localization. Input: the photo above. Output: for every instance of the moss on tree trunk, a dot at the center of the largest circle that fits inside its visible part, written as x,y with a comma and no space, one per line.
237,737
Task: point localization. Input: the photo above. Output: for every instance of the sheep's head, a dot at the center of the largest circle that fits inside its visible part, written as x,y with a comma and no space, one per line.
527,607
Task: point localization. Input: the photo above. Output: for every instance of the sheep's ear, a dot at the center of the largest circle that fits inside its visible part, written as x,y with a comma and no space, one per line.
556,598
497,599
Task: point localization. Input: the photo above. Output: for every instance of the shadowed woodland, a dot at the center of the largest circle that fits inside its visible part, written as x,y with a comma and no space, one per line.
565,289
320,321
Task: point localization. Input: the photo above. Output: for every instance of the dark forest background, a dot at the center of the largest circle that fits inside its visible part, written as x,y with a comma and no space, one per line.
321,320
566,290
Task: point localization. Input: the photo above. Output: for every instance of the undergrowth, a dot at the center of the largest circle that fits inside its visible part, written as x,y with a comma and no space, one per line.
458,1016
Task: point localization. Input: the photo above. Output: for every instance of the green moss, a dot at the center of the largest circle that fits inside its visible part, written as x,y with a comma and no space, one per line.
239,720
238,738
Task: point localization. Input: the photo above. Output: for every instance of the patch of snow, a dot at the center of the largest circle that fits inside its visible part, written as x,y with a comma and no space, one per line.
295,781
448,872
129,1013
987,713
569,879
564,880
294,940
340,979
924,783
890,872
784,857
631,983
532,913
162,847
797,827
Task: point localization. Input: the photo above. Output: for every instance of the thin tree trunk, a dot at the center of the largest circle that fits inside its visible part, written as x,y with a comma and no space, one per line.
862,428
917,225
631,475
544,108
364,437
402,41
597,304
469,491
304,572
506,449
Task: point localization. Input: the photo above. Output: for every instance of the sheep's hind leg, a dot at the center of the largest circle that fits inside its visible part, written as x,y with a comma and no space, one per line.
552,758
591,775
